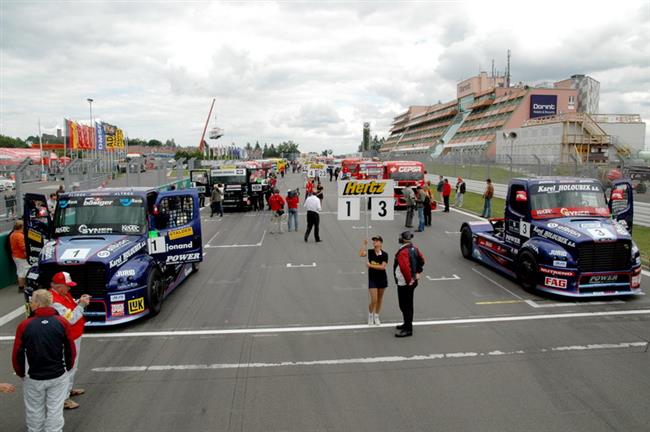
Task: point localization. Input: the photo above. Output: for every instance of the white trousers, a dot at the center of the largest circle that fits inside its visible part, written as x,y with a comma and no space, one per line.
72,372
44,403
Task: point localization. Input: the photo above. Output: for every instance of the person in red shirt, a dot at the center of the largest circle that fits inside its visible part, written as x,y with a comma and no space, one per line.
73,311
309,188
276,202
407,269
19,253
446,192
292,204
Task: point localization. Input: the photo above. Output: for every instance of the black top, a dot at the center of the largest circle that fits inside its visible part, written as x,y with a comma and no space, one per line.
377,278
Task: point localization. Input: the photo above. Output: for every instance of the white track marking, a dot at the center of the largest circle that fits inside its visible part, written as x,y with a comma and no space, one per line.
361,227
536,305
12,315
289,265
238,245
212,238
468,214
497,284
311,329
453,277
645,272
373,360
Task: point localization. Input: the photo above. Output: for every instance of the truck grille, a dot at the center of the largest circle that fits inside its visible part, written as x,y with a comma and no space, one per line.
90,278
598,257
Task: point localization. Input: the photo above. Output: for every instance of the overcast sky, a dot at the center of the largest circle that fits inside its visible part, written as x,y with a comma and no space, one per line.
312,72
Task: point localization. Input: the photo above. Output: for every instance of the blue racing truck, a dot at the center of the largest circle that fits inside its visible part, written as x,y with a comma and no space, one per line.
562,236
128,248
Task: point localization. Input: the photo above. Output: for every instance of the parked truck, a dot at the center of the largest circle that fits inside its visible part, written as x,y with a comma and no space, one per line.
126,247
562,236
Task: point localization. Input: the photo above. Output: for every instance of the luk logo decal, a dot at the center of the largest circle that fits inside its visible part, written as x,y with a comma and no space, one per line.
136,305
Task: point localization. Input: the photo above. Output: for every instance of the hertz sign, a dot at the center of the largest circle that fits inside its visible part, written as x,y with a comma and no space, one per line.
368,188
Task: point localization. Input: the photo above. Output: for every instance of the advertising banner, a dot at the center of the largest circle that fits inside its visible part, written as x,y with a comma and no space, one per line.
100,136
73,134
543,105
109,134
368,188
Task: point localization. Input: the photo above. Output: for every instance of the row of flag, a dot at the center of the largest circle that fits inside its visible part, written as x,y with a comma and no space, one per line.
102,137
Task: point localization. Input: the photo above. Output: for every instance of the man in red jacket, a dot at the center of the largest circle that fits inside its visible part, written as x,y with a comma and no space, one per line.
292,205
45,343
407,269
276,202
446,192
73,311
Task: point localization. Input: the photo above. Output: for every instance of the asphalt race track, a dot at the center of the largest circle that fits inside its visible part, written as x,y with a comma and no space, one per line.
270,335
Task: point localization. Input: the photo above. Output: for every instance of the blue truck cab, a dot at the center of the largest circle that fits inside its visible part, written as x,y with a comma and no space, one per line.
126,247
562,236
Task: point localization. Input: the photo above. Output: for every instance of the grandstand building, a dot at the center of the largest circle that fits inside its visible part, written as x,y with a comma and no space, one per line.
558,121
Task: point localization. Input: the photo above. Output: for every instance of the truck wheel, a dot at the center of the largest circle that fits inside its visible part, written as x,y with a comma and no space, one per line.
155,289
527,270
466,243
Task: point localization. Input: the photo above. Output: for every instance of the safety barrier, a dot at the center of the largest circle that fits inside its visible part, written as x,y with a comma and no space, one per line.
7,266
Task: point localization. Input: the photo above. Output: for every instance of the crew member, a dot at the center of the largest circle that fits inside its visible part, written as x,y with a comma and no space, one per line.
312,205
276,202
19,253
73,311
292,205
43,351
407,269
446,192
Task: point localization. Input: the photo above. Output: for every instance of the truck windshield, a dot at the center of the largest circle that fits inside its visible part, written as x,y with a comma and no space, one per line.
229,179
407,176
554,200
100,215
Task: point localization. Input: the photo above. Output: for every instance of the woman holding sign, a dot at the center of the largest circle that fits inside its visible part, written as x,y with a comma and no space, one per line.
377,279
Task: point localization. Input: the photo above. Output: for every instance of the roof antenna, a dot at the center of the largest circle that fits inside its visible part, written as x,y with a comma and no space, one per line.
508,71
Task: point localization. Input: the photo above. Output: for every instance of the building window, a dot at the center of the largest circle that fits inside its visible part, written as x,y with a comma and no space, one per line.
572,102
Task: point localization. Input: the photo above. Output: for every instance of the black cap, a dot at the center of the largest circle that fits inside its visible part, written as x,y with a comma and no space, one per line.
405,236
377,237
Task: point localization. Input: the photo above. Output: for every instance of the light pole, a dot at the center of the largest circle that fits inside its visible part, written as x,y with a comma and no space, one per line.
510,136
90,103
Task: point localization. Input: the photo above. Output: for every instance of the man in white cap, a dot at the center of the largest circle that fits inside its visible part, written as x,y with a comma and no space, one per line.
73,311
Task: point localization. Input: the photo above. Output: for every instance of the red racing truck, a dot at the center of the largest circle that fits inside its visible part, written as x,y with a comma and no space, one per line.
404,174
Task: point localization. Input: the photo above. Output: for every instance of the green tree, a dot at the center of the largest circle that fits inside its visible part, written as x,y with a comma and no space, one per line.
265,151
170,143
7,141
154,143
188,154
257,146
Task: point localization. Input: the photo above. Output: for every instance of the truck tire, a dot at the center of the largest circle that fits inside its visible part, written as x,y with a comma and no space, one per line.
527,271
466,243
155,290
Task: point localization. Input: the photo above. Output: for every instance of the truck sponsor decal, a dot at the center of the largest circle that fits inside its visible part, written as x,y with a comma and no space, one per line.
126,255
182,258
558,212
103,254
603,279
180,233
513,239
83,229
408,169
171,247
48,250
34,235
62,229
555,282
564,229
559,263
125,273
130,228
118,244
555,272
136,305
552,236
366,188
558,252
118,298
117,309
568,188
96,201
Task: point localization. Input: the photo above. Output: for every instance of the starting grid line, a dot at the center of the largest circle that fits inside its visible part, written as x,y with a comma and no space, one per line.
326,328
374,360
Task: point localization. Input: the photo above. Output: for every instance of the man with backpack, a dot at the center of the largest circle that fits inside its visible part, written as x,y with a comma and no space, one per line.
407,269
